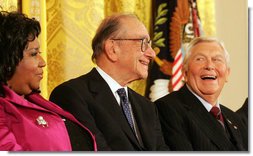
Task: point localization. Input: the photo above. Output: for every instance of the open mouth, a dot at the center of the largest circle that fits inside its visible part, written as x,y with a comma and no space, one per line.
208,77
144,62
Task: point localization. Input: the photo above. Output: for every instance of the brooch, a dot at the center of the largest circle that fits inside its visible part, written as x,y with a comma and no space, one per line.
41,121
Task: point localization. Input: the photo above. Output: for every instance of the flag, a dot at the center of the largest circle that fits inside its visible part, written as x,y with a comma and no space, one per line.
175,24
177,75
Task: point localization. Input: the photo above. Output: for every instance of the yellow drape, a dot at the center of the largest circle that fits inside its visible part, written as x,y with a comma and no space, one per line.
71,24
8,5
206,10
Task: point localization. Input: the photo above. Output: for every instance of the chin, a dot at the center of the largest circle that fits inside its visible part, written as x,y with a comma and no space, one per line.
35,88
209,92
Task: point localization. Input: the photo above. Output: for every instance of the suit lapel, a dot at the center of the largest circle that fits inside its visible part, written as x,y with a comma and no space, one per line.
233,130
208,124
106,99
144,129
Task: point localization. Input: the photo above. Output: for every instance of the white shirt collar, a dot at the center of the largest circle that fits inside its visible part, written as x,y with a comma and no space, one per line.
206,104
114,85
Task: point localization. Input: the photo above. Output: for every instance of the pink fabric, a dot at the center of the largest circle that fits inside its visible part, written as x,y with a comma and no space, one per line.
19,129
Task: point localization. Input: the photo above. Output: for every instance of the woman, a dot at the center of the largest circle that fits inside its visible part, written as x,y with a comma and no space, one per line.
27,120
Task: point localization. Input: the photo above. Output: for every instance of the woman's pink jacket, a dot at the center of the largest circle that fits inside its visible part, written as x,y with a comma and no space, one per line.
22,129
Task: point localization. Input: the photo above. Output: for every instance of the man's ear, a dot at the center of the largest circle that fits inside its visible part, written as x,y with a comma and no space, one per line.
110,50
227,74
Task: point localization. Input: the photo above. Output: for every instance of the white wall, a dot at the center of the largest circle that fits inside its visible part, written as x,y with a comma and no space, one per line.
232,28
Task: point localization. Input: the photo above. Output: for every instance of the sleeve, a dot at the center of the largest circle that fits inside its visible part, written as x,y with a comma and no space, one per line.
8,141
243,112
173,127
74,102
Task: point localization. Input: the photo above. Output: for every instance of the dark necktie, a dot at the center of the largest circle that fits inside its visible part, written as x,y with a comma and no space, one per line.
215,111
125,106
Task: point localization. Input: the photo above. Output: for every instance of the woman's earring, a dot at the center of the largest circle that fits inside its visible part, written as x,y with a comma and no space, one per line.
9,69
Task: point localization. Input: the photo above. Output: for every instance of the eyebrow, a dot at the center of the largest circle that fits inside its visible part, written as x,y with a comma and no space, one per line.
200,54
37,48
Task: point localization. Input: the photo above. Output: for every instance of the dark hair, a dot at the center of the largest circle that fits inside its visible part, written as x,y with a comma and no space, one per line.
108,28
16,31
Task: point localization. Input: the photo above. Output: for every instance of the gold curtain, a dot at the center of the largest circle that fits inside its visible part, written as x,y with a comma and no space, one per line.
206,10
68,27
9,5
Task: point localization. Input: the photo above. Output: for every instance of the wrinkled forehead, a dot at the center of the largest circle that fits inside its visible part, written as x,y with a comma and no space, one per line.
207,48
213,48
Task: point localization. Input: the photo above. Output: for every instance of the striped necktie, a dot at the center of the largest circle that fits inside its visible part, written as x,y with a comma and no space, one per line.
216,112
125,106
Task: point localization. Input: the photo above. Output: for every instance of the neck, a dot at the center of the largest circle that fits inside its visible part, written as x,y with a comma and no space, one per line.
210,99
115,74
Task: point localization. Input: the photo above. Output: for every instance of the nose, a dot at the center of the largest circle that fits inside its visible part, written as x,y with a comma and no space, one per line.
150,53
209,65
209,68
42,62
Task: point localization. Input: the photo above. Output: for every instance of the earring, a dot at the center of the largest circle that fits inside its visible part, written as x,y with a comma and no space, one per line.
9,69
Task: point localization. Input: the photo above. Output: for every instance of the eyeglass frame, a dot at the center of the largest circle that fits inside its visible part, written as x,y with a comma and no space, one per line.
149,42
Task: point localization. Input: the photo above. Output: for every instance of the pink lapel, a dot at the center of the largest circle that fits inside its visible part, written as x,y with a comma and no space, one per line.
38,99
19,100
35,100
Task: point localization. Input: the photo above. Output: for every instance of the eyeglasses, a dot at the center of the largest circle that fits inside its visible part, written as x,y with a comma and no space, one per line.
144,42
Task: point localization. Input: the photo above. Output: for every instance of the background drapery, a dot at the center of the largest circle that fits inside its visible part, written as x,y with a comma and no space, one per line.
68,27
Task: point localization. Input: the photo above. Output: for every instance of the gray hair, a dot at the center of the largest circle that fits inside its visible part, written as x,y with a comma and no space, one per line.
198,40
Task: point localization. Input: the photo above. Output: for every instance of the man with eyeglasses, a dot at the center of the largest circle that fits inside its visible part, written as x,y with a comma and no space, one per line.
120,118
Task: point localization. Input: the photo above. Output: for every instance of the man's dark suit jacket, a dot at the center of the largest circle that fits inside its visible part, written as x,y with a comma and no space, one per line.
91,101
243,112
187,125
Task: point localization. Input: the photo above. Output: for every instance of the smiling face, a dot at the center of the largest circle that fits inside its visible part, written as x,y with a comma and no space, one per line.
132,62
207,70
29,72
